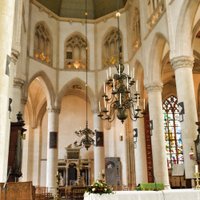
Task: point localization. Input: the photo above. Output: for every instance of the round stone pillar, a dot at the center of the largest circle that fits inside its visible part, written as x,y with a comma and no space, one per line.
52,148
17,83
6,24
158,136
99,154
140,152
185,91
17,102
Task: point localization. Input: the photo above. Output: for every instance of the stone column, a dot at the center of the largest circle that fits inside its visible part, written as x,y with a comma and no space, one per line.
185,91
18,102
16,42
16,83
123,150
158,137
52,148
99,154
140,152
6,24
36,157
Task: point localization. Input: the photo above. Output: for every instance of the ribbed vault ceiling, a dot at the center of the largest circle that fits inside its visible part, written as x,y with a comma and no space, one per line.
76,8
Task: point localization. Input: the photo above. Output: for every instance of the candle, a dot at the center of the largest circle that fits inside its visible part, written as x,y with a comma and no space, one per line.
137,102
107,74
104,102
113,84
133,73
99,106
136,86
120,98
119,69
110,71
128,69
196,168
134,107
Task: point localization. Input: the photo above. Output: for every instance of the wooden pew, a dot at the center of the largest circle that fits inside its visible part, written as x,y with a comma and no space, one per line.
17,191
41,193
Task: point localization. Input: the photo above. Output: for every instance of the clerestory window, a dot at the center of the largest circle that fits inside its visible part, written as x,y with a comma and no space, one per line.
173,138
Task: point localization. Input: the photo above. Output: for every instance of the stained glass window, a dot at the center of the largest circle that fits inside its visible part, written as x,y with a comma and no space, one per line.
173,138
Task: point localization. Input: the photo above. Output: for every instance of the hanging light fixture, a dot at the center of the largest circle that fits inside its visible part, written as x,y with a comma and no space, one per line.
120,97
86,134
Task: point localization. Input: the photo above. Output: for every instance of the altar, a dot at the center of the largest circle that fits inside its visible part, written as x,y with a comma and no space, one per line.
173,194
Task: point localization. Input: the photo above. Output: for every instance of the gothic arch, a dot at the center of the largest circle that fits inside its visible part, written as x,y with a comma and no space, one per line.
195,30
47,86
153,72
77,87
183,36
40,97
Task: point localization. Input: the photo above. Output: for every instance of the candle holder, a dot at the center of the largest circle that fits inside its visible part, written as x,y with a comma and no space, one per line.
57,195
103,176
197,179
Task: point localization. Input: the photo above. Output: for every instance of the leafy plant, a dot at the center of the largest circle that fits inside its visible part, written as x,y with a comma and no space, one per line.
150,186
99,187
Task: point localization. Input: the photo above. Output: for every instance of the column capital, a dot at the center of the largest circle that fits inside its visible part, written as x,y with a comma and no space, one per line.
23,100
14,56
182,62
95,110
53,110
18,82
155,86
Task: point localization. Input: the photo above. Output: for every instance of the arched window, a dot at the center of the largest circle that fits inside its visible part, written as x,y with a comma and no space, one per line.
42,44
110,50
75,52
173,139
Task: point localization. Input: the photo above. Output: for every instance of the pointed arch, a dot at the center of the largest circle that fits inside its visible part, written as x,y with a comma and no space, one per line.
153,73
183,37
47,86
76,87
195,30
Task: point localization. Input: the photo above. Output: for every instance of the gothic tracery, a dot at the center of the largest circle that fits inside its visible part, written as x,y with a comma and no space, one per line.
42,44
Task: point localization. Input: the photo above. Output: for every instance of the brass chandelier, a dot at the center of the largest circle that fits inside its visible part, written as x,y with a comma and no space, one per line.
121,96
86,134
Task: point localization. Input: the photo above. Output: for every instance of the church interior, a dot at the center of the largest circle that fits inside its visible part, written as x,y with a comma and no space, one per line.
96,89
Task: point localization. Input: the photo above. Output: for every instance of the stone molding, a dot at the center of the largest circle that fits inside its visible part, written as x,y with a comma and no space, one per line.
155,86
14,56
182,62
18,82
